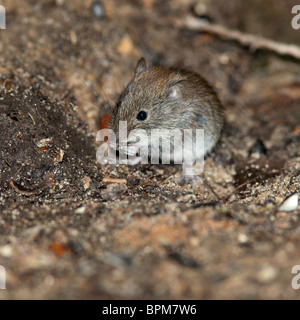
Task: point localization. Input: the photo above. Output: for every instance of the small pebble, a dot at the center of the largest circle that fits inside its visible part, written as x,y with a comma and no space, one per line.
267,274
290,203
86,181
243,238
6,251
126,46
201,11
98,10
80,210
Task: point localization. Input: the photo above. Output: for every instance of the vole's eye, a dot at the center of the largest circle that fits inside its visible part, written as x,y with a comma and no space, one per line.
141,116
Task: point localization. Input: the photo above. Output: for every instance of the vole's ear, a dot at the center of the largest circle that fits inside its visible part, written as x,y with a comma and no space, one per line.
176,90
140,66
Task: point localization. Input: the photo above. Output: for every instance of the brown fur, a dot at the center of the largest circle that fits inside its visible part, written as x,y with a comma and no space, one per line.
196,105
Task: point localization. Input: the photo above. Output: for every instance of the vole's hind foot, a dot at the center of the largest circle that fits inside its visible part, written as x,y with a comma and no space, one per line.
190,174
194,180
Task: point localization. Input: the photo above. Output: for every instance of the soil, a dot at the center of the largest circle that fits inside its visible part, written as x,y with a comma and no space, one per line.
67,232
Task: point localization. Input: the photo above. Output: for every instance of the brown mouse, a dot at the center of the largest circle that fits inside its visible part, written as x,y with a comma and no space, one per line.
167,98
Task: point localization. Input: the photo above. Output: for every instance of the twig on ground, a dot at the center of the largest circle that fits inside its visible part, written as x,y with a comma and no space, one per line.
252,41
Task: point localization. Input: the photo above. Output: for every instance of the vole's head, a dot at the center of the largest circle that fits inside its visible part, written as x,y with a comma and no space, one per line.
158,97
